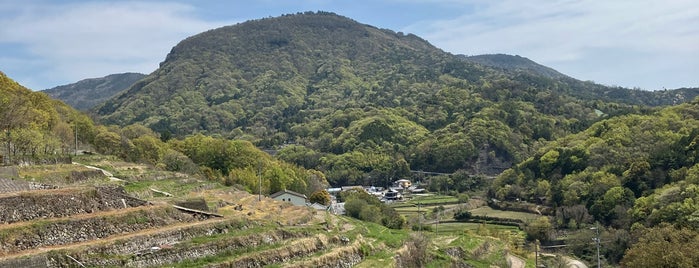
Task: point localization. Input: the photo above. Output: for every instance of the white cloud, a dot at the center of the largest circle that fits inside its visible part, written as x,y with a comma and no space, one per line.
81,40
587,39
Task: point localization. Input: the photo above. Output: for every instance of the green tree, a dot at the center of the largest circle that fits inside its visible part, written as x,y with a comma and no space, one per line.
613,204
663,246
353,207
540,229
370,213
173,160
148,149
107,142
321,197
391,218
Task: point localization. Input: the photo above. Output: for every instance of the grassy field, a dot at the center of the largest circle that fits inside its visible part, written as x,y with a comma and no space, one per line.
461,227
433,199
488,211
411,211
49,173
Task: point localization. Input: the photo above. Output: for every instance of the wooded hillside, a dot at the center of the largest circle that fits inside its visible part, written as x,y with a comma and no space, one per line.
356,98
33,124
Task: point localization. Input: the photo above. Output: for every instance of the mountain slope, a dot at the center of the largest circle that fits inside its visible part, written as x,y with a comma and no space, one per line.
366,104
87,93
515,64
285,63
518,65
632,173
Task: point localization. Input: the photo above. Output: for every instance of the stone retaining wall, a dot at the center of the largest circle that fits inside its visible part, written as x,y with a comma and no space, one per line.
14,239
27,206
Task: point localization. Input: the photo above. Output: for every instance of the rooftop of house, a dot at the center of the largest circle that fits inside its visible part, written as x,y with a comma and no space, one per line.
277,194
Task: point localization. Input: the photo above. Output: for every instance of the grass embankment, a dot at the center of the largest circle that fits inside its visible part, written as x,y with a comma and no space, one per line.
52,174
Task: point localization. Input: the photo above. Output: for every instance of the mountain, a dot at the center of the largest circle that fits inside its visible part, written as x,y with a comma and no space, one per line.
360,103
514,64
87,93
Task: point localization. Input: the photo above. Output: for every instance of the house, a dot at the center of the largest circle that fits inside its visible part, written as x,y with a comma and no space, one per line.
405,184
294,198
392,195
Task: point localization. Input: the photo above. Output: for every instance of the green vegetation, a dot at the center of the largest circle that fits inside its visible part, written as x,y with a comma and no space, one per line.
487,211
361,205
321,197
621,172
664,246
344,103
433,199
34,126
363,105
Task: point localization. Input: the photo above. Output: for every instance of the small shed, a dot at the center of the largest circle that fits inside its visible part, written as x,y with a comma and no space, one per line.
294,198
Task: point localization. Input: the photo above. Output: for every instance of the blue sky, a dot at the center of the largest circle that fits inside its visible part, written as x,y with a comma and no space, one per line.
649,44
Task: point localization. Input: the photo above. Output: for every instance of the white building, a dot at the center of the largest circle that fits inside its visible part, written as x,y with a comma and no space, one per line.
294,198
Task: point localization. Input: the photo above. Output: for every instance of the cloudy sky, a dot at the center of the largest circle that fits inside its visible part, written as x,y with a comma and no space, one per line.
649,44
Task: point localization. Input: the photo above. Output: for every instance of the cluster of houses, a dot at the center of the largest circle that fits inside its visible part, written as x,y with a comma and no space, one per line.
387,195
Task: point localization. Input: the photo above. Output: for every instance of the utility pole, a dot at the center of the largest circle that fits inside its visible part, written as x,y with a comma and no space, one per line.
7,160
419,219
76,139
536,253
436,224
596,239
259,176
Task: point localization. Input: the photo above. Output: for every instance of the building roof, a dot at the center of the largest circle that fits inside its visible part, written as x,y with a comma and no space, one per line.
347,188
318,206
277,194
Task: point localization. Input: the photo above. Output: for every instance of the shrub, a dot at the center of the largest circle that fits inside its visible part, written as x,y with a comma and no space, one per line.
463,197
415,254
422,227
320,197
462,215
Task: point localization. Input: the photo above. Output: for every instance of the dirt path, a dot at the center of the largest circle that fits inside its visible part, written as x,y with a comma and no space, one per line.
106,173
572,263
515,262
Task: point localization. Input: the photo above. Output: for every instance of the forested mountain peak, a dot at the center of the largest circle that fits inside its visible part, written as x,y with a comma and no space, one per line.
327,34
87,93
285,62
360,103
